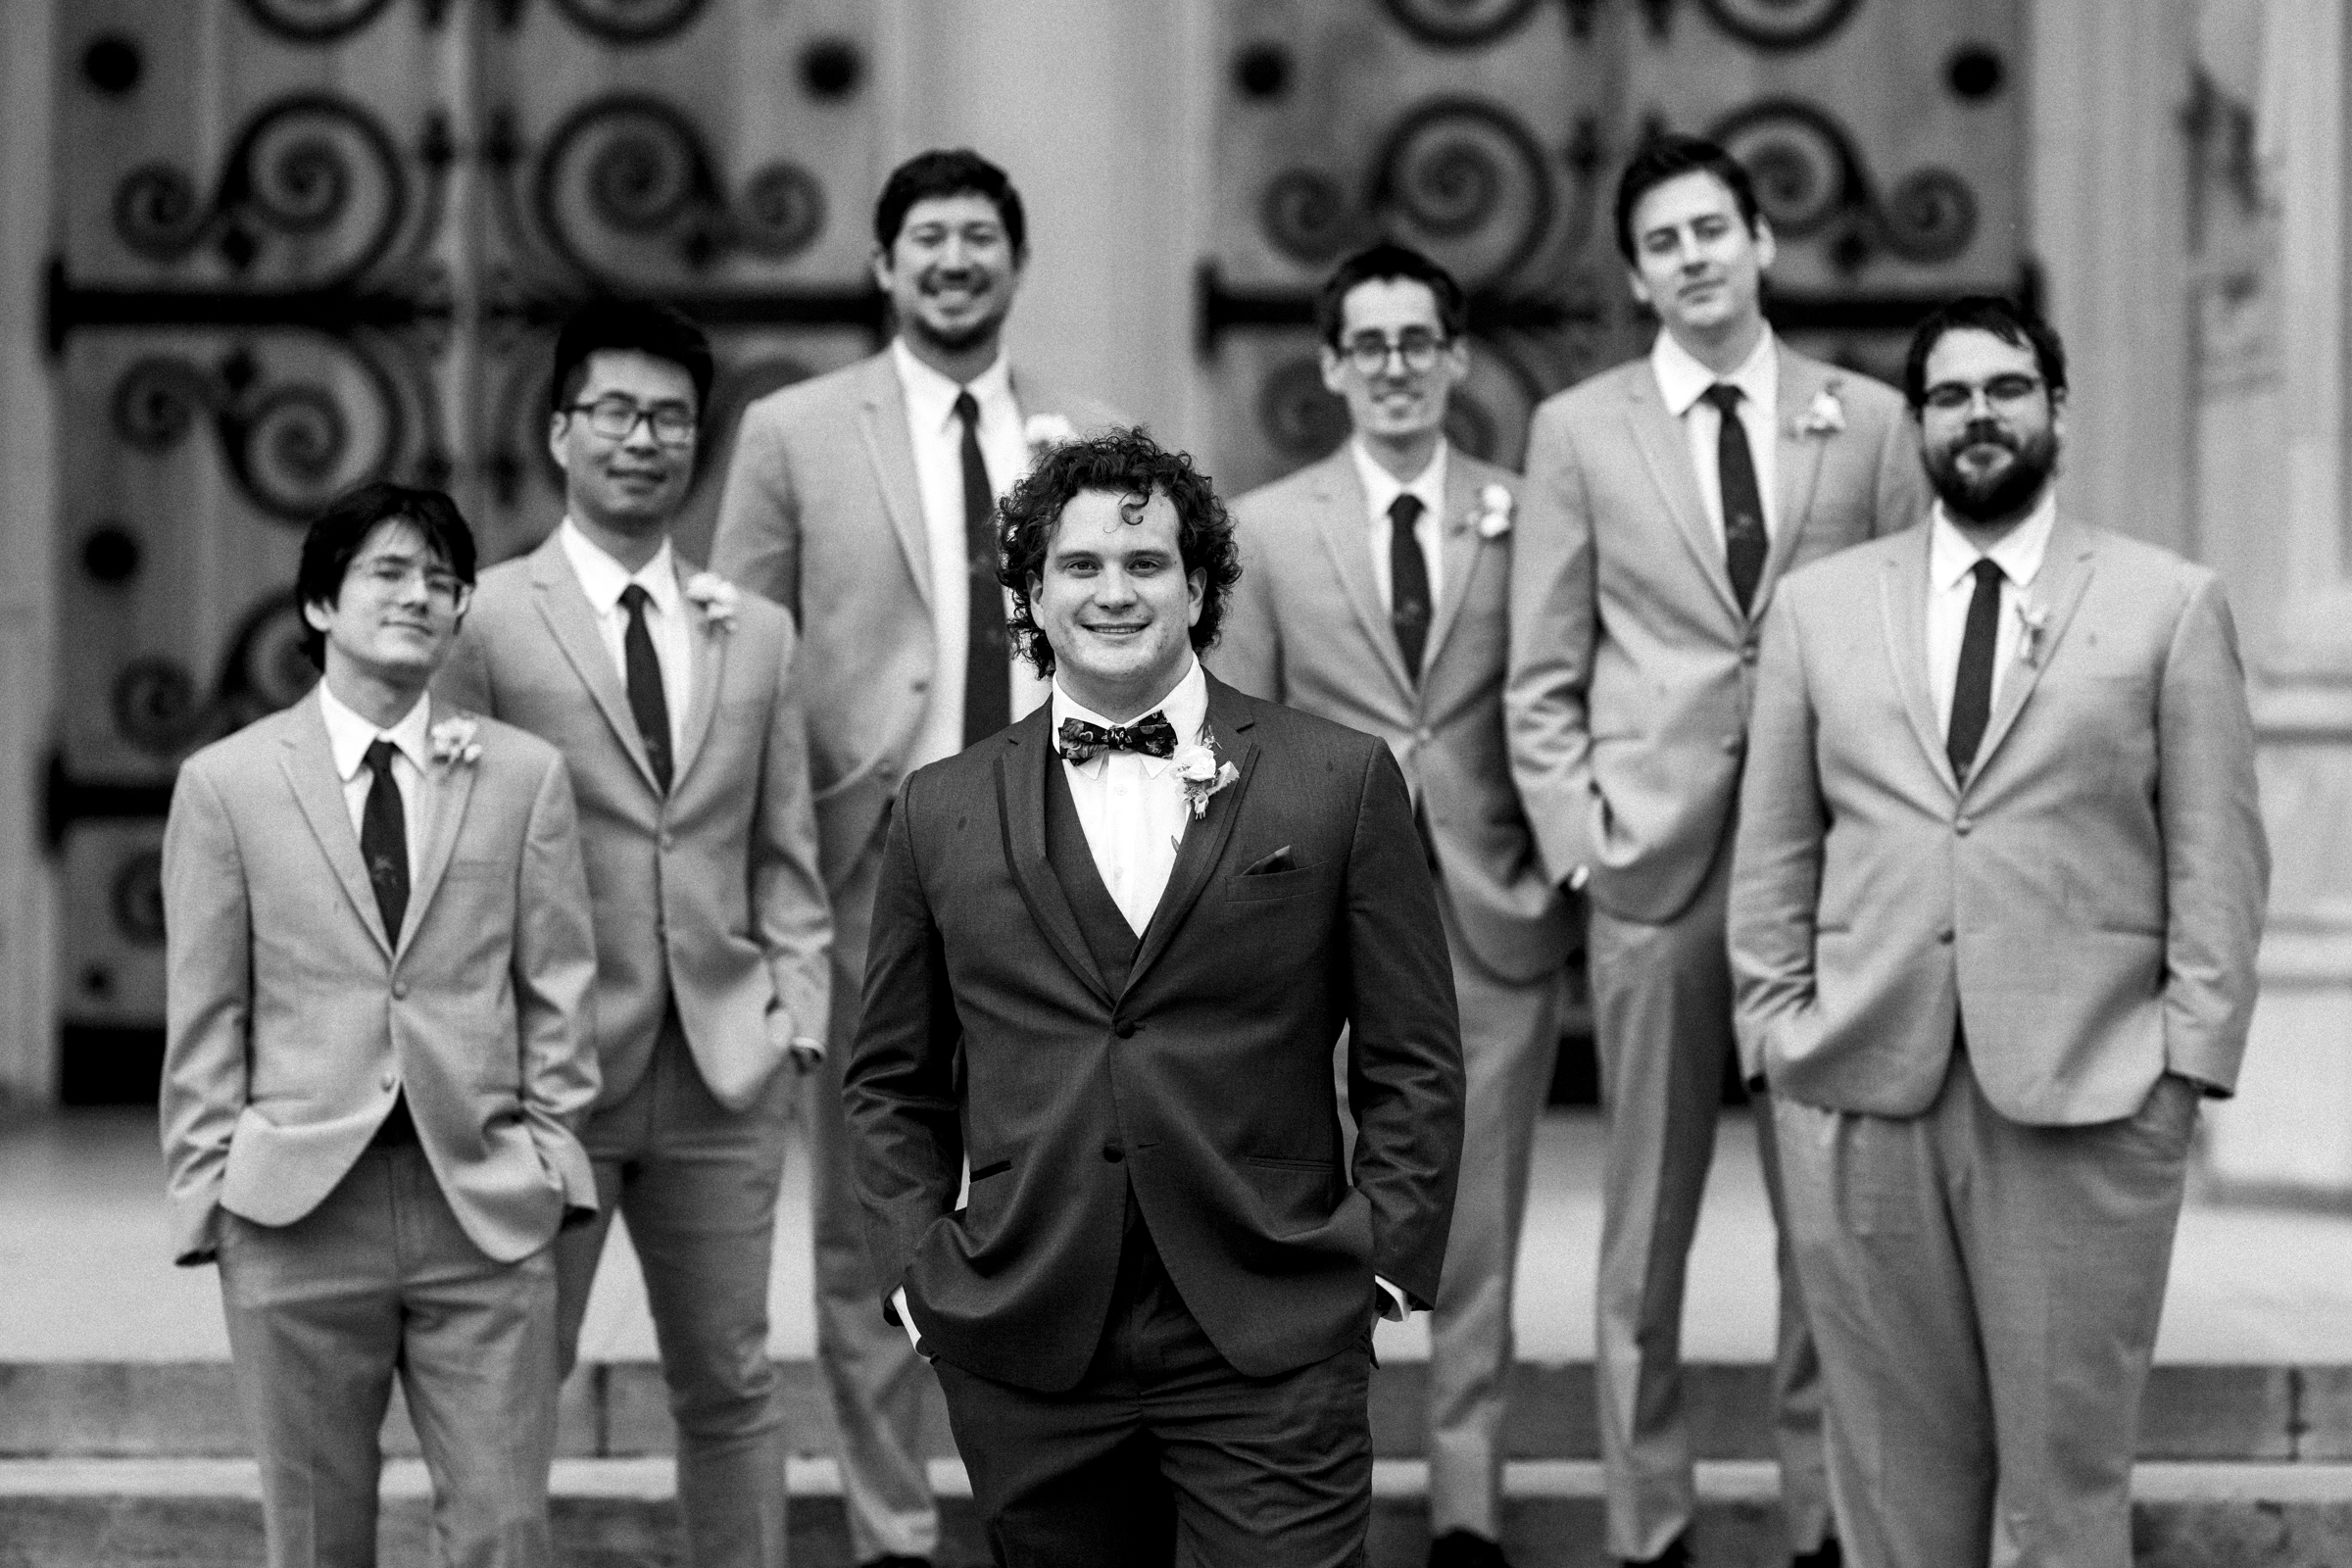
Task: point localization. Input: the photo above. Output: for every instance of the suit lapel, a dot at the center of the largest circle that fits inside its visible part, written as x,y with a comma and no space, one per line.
1903,599
709,670
2056,592
452,788
882,420
1666,449
564,605
1205,836
1459,544
1798,459
1342,519
1021,766
309,768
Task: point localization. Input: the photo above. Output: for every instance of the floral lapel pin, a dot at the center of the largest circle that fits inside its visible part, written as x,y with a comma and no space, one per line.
1825,415
453,740
716,597
1492,516
1045,431
2036,619
1201,773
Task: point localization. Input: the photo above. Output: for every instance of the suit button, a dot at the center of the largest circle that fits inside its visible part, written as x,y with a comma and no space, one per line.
1961,825
1748,653
1126,1031
921,683
1731,744
1944,935
1114,1154
386,1082
1424,736
400,991
669,841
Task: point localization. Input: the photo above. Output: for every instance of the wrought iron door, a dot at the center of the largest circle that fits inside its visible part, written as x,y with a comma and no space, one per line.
304,243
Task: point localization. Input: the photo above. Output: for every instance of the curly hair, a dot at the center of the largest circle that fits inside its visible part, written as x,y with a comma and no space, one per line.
1126,462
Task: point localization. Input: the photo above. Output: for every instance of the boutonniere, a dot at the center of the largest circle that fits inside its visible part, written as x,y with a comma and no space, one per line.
717,596
1201,773
1043,431
2036,619
1492,517
1825,415
453,740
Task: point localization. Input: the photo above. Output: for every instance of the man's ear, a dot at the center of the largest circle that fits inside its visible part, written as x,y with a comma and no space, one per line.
1639,289
1333,367
1766,246
315,616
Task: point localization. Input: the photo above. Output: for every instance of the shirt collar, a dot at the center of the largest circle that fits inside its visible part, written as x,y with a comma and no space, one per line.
2018,553
932,396
1683,380
1185,708
1382,488
602,579
348,735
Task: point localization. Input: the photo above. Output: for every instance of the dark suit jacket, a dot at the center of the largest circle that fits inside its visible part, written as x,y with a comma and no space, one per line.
1206,1083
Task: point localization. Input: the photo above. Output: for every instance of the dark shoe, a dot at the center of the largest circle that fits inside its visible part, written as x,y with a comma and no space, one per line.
1676,1556
1459,1549
1829,1555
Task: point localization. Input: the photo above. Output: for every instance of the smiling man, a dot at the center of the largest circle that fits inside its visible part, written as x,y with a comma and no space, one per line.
378,1056
1663,501
864,502
1113,949
1999,886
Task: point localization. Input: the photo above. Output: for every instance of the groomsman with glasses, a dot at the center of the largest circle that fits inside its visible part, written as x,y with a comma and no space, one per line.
1664,500
675,697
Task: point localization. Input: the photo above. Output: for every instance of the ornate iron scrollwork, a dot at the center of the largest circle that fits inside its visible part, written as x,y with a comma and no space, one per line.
316,20
1779,25
1811,182
159,707
1465,180
1306,214
1458,23
631,21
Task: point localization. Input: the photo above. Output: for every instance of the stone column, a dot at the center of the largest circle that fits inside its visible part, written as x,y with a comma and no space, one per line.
28,561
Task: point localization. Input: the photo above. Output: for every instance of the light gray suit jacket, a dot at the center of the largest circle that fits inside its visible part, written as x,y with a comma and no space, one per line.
1305,627
2087,907
294,1022
710,896
822,514
1632,668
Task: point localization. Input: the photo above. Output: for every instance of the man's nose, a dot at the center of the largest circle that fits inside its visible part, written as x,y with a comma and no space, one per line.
1114,587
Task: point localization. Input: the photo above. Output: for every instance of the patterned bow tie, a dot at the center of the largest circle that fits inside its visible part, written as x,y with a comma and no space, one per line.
1151,735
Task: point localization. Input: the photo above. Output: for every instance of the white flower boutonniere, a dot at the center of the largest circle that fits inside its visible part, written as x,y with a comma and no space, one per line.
717,597
2036,619
1825,415
1493,517
453,740
1202,773
1043,431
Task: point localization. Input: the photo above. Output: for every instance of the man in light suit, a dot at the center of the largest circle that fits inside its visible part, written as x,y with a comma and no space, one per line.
1999,885
1113,949
1373,592
1663,502
675,700
864,502
379,1047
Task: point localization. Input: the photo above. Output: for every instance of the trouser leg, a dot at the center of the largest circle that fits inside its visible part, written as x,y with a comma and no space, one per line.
1799,1400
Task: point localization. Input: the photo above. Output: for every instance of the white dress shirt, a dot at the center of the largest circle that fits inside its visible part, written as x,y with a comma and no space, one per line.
1381,490
1683,382
937,437
348,737
1952,586
1132,807
604,579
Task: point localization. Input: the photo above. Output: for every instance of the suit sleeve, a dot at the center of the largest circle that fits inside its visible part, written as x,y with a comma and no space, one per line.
464,679
555,982
899,1090
207,947
1248,652
1405,1048
1777,856
788,894
1553,626
2217,862
1902,483
758,538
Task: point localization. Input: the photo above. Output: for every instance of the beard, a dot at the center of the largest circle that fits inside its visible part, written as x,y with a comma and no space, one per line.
2001,493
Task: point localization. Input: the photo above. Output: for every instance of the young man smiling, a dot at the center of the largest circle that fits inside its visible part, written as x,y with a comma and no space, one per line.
1114,948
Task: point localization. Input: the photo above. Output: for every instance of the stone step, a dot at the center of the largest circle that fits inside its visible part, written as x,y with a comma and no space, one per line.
620,1513
123,1409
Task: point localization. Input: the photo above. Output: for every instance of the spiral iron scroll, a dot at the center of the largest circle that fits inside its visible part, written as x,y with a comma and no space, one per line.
1811,182
313,21
1460,23
160,707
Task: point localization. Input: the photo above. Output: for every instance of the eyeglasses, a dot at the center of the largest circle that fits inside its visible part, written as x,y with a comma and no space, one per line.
615,417
1369,352
389,578
2002,392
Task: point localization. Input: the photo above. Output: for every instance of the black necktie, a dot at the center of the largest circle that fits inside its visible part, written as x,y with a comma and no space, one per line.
1408,583
987,670
1972,688
646,700
384,840
1744,540
1151,735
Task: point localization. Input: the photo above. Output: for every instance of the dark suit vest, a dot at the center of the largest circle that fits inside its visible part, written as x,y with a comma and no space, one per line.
1111,941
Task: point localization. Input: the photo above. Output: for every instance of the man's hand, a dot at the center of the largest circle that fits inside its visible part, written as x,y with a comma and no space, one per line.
914,1336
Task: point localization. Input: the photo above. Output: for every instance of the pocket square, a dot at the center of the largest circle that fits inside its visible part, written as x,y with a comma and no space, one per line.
1265,865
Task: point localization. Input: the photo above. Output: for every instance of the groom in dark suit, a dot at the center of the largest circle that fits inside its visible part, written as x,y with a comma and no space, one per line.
1113,946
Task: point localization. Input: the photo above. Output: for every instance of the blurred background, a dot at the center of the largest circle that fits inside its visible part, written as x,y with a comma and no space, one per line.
254,250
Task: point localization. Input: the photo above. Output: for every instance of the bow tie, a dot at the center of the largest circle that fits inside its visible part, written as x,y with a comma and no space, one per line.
1151,735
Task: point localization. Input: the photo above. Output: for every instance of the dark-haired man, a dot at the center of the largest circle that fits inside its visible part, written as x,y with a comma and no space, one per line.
1999,884
675,700
1663,501
1373,592
864,503
1112,951
379,1047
